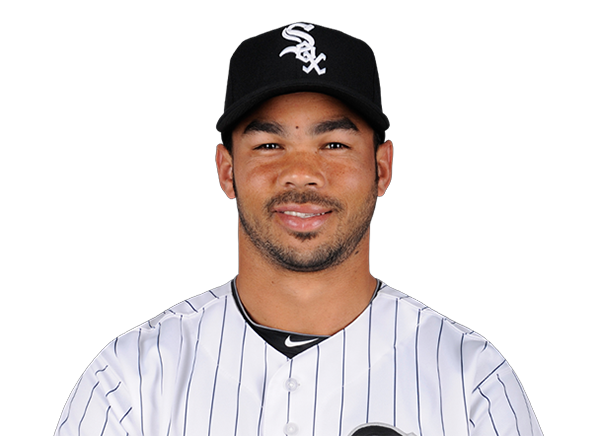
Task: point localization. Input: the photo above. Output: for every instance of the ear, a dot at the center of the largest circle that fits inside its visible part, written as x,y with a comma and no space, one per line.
225,170
384,156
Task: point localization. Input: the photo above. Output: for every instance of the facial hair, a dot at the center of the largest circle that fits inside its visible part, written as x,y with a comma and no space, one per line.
327,254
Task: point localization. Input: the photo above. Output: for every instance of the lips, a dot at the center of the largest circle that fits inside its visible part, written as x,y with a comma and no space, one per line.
302,217
296,209
301,214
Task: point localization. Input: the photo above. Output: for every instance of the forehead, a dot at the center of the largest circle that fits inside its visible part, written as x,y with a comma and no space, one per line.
302,109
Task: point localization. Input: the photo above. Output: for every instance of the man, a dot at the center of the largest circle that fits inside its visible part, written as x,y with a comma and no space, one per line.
304,341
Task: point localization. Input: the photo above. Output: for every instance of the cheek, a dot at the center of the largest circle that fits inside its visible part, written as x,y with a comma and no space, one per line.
253,185
344,177
254,176
353,176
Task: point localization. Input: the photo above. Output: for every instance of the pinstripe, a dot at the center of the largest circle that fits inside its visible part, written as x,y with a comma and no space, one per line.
125,415
178,361
396,362
417,371
264,388
160,358
369,363
88,402
462,375
187,394
289,394
237,409
439,375
343,378
510,404
191,305
316,387
105,421
365,363
86,407
526,402
113,389
489,411
489,375
212,401
180,341
140,378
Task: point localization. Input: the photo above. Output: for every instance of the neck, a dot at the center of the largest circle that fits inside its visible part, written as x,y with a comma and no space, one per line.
318,303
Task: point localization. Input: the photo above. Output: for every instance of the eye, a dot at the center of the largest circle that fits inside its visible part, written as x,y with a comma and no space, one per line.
268,146
335,146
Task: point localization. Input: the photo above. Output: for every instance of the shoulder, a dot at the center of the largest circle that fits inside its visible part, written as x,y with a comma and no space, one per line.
437,336
192,307
144,362
159,334
425,314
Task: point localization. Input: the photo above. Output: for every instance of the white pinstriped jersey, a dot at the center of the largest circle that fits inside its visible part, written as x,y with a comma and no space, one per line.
199,369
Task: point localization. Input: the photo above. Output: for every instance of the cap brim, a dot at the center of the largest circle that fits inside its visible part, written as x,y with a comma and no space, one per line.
371,113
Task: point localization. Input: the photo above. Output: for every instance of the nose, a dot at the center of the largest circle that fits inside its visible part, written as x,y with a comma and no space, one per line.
301,170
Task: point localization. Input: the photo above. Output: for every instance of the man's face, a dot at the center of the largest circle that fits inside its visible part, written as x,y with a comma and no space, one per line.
304,173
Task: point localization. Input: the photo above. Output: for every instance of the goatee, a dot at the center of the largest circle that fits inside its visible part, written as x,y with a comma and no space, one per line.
326,255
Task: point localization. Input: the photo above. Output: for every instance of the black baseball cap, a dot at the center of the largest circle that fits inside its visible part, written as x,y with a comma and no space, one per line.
303,57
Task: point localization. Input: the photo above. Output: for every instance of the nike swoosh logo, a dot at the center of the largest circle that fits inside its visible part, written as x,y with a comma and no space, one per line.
290,344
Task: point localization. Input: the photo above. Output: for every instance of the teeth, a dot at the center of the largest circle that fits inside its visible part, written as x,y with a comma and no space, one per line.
302,215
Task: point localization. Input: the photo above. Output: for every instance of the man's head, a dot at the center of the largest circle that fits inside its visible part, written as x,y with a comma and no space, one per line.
310,159
303,57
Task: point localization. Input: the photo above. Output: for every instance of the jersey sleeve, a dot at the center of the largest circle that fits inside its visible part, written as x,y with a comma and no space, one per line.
498,405
102,402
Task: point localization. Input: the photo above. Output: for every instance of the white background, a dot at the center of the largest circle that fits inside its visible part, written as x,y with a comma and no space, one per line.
571,214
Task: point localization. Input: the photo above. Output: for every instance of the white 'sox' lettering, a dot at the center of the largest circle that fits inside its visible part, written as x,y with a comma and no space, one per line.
305,48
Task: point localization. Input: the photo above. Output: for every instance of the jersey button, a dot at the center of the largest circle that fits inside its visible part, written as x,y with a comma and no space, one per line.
291,384
290,428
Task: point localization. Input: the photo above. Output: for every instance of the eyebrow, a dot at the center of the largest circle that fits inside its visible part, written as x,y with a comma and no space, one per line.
343,123
264,126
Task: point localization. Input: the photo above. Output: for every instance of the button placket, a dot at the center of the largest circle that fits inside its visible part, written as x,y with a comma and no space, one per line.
291,428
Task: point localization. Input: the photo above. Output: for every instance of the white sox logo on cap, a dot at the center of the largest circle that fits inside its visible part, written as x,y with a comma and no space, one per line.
305,49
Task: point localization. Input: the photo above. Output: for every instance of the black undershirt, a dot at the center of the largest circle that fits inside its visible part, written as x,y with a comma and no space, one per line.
288,343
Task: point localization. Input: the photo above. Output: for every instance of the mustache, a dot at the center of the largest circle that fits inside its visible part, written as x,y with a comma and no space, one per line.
303,197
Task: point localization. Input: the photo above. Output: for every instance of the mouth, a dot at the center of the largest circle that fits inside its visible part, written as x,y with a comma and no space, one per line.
303,214
302,218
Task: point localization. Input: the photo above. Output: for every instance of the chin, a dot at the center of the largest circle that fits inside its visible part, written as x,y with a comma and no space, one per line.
305,236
